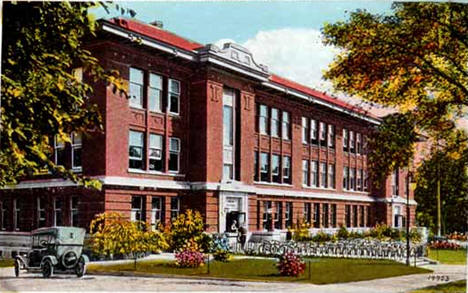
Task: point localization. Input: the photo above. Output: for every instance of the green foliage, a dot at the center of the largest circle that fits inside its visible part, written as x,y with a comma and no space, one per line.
322,237
112,235
342,233
453,192
300,231
186,232
415,60
222,255
41,97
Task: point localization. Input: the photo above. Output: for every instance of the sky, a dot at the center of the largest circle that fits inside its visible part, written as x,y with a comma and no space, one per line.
284,35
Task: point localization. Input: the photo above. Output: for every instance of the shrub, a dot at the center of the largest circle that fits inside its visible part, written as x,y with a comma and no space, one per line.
444,245
322,237
222,255
220,242
342,233
290,265
189,259
113,235
186,233
457,236
301,231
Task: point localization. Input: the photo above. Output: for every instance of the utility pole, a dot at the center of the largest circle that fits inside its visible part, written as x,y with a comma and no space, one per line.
408,178
438,194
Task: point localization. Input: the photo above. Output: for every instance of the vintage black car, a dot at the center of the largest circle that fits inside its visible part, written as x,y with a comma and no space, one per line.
54,249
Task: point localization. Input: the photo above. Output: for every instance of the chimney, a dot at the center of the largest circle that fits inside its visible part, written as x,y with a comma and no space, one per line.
157,23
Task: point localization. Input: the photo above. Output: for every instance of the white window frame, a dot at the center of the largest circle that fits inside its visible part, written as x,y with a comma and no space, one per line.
275,122
346,139
75,146
40,209
159,89
268,166
323,175
133,211
305,130
314,173
156,148
58,146
273,172
365,181
352,142
175,152
352,179
331,135
305,173
132,102
154,211
177,210
177,94
142,146
286,168
73,209
322,131
358,143
263,119
331,176
346,177
313,130
57,209
285,125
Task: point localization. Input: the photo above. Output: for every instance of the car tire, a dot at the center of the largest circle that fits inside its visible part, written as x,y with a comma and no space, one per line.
17,267
80,268
47,269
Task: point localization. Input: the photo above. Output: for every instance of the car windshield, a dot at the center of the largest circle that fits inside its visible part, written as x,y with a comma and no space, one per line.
43,240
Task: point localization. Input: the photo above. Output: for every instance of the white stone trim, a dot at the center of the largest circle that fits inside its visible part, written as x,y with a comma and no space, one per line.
144,182
41,184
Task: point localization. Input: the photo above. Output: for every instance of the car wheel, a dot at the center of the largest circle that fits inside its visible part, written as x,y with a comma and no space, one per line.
47,269
80,268
17,267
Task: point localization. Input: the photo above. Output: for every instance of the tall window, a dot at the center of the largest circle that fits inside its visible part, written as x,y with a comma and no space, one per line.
331,175
355,216
278,218
313,131
174,96
137,213
351,142
74,211
325,216
352,179
135,150
288,214
228,133
76,143
368,212
361,216
59,151
333,215
323,175
287,169
307,212
155,93
365,176
358,143
305,173
346,178
267,215
58,216
136,88
331,136
174,154
3,215
314,173
305,130
41,212
175,207
275,168
286,126
323,134
348,215
364,144
275,122
316,215
16,213
156,212
345,139
263,119
155,152
395,186
264,167
359,180
255,166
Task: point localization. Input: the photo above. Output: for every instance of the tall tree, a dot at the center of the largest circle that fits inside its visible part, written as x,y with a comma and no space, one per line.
454,192
415,60
41,97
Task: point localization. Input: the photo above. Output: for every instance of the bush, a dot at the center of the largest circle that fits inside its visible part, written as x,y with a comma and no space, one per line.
290,265
342,233
322,237
220,242
186,232
222,255
444,245
189,259
301,231
112,235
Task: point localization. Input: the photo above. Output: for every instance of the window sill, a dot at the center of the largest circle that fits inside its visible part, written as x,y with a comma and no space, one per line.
356,192
171,174
318,188
136,107
273,184
77,169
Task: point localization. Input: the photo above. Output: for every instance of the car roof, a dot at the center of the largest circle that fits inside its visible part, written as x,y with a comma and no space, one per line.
55,229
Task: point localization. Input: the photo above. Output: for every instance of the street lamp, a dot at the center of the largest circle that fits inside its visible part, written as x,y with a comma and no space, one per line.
410,185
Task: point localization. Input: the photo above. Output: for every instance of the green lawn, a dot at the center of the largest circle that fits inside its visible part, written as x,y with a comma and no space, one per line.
446,256
6,263
323,270
458,286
